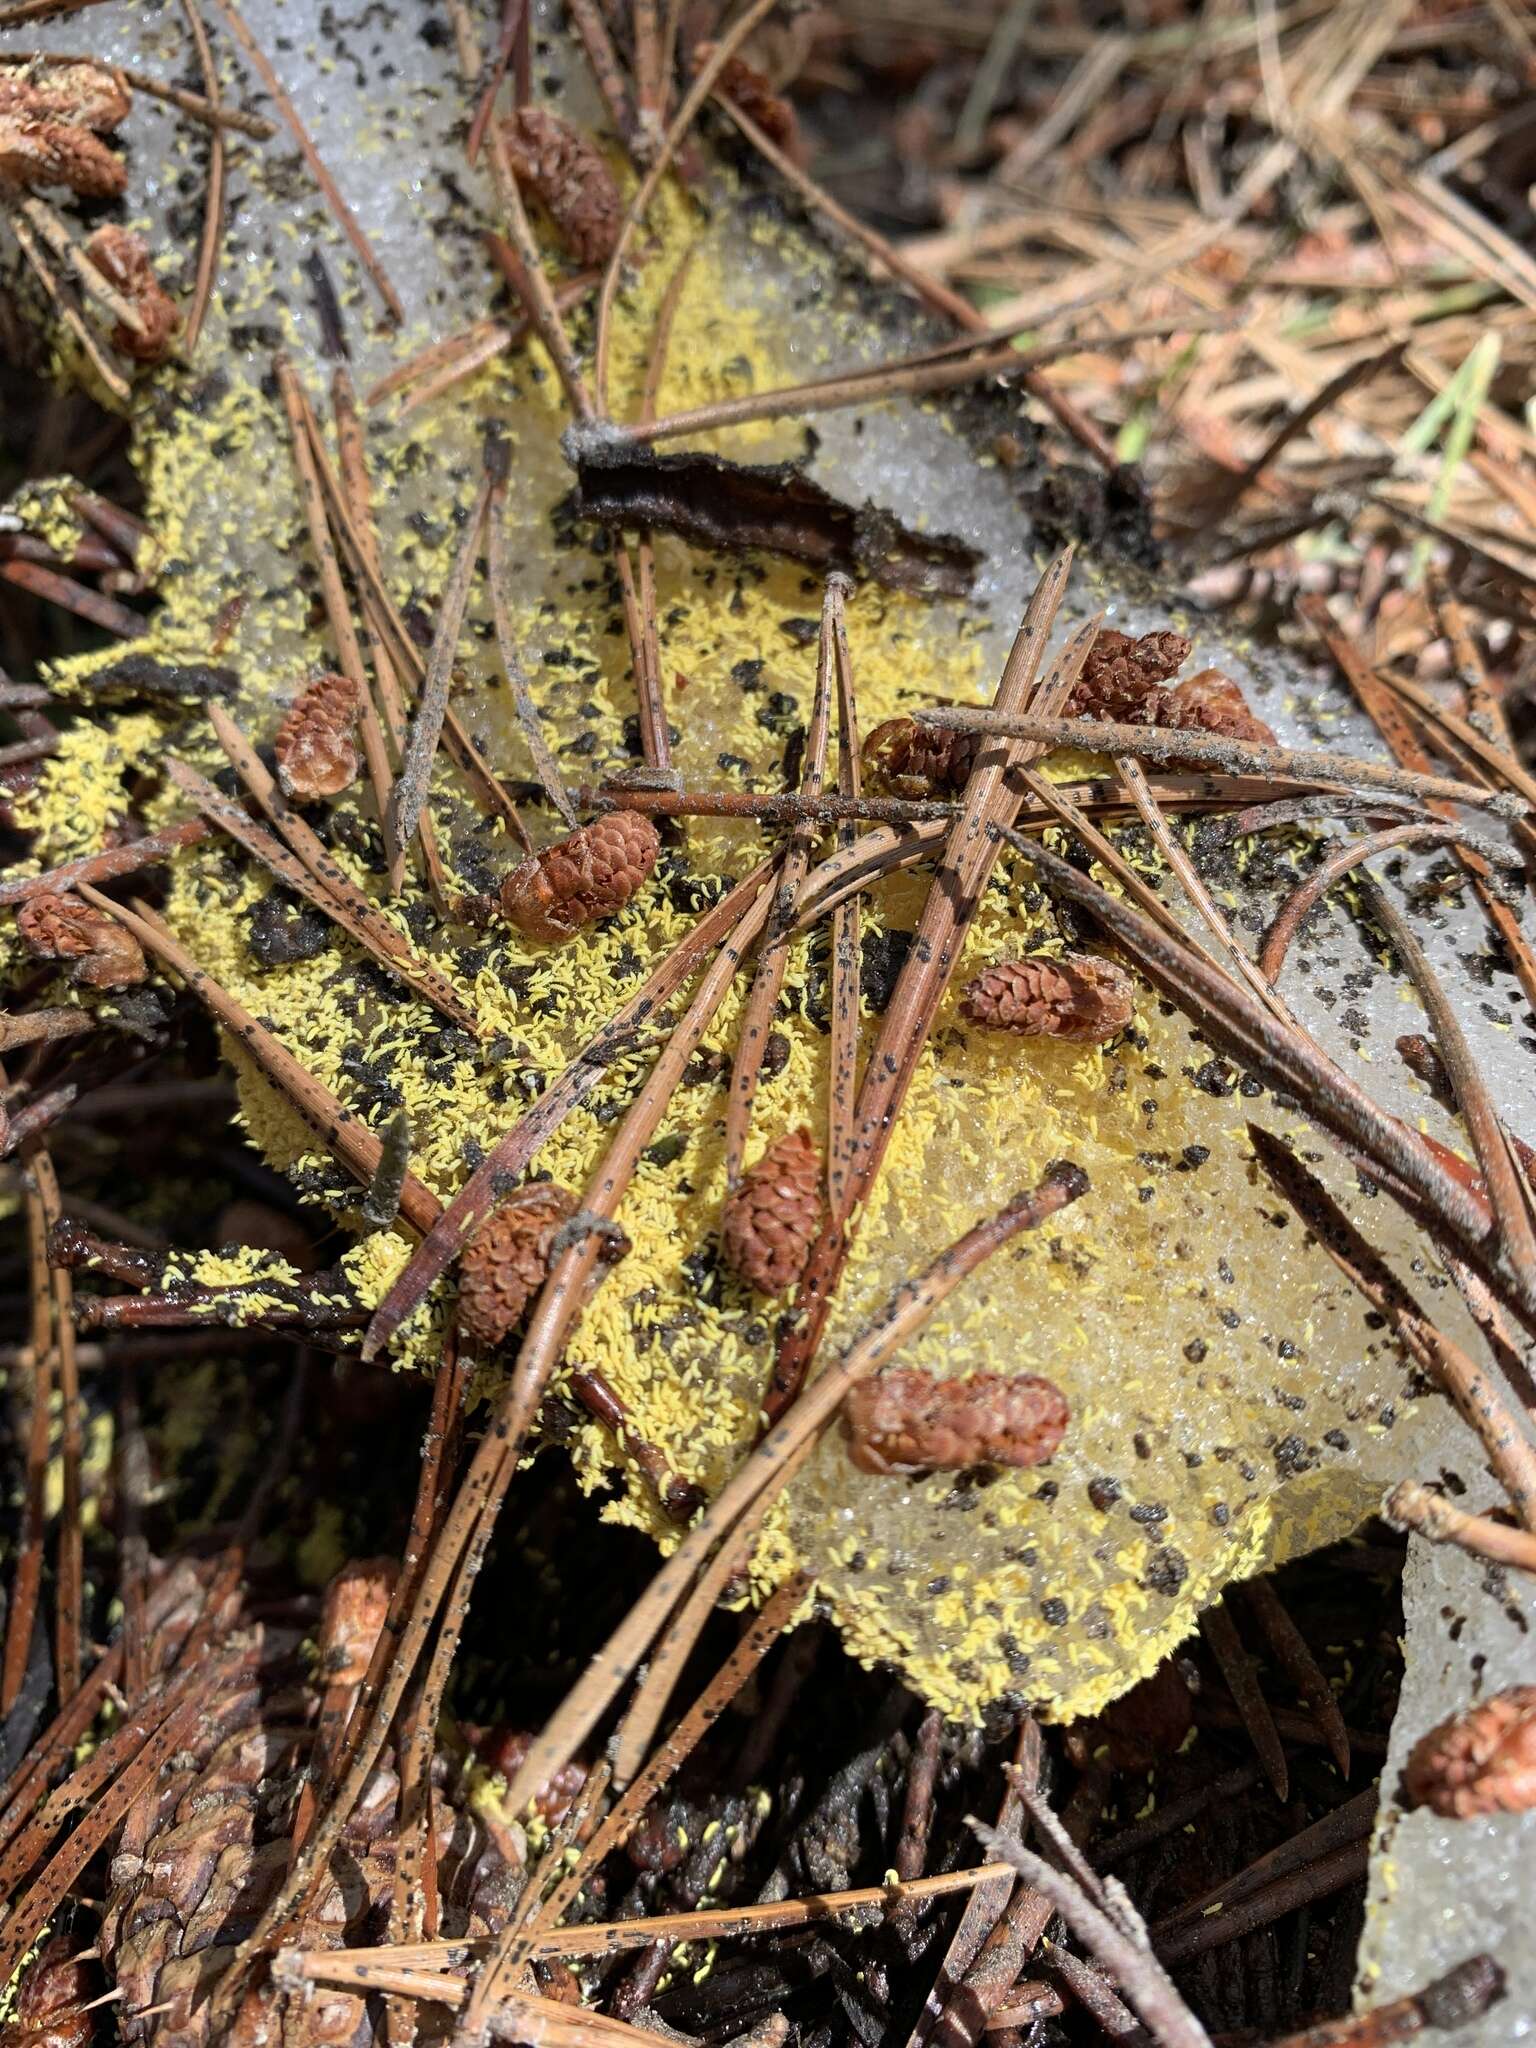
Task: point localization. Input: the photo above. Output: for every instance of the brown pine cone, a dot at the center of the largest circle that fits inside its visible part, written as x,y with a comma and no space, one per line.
123,260
54,1991
1121,673
315,748
903,758
37,152
101,953
589,874
571,176
1076,996
771,1221
1482,1760
752,91
1212,702
909,1420
203,1851
507,1260
83,93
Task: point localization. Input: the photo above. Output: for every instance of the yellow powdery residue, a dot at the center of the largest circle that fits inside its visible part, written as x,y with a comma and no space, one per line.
80,795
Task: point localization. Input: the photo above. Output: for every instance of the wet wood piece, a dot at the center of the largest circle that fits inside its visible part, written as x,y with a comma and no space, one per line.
732,506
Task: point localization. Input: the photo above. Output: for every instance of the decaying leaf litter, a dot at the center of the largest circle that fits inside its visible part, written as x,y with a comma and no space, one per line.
703,615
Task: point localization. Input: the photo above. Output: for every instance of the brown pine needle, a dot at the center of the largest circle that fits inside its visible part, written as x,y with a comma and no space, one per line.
724,50
342,1134
63,302
1474,1100
91,281
303,432
352,458
475,345
213,201
971,852
1307,765
498,572
1438,1520
409,796
842,1091
1293,1654
292,872
931,371
1307,894
908,1309
1236,1667
372,928
773,955
1476,1394
346,220
513,1153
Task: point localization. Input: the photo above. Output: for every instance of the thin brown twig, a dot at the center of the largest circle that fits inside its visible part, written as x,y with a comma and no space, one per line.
90,280
1309,765
345,218
1429,1514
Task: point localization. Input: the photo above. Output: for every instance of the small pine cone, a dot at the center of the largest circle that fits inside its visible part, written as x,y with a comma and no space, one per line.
1480,1761
505,1750
571,176
908,1420
1121,673
1212,702
87,94
748,88
315,748
771,1221
352,1619
37,152
1076,997
101,953
589,874
50,2004
904,758
123,260
508,1258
